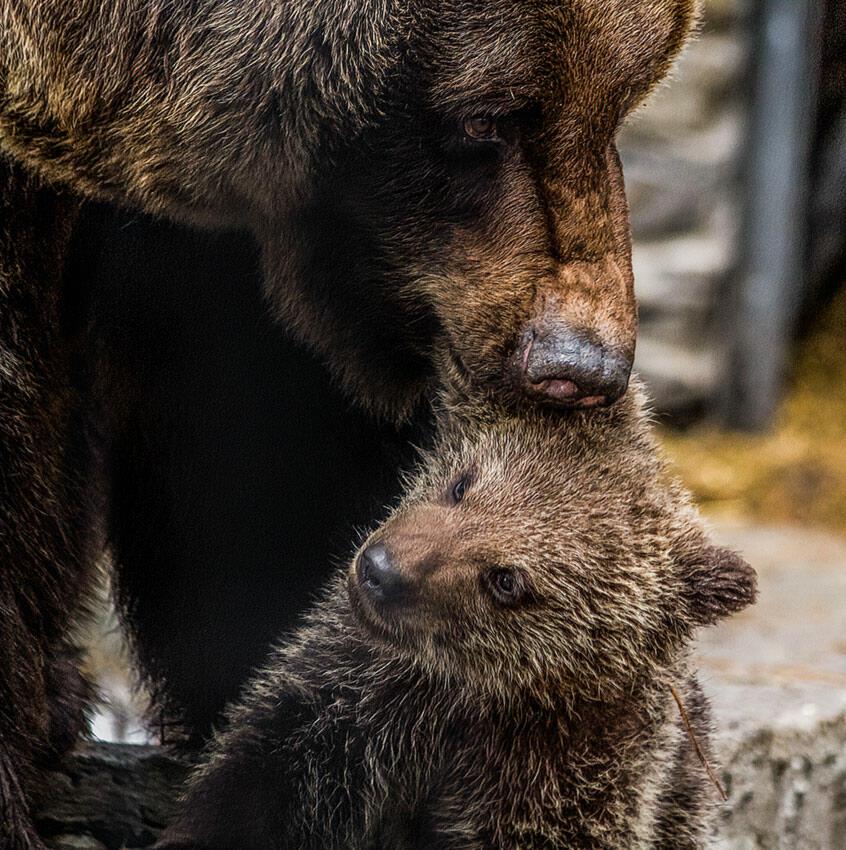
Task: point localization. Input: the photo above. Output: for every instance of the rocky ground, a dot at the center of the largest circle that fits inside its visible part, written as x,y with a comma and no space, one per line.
776,674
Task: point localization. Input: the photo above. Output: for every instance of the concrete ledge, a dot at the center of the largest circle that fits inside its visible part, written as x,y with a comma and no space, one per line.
787,789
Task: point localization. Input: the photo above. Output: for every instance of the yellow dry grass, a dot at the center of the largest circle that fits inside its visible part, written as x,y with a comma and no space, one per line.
794,473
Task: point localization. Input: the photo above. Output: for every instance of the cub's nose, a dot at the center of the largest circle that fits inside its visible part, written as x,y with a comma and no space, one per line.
561,366
379,576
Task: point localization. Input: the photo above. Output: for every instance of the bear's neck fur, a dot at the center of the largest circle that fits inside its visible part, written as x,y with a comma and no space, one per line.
581,767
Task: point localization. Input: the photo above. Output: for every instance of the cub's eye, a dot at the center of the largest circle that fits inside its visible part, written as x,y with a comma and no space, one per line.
504,581
481,128
506,586
459,489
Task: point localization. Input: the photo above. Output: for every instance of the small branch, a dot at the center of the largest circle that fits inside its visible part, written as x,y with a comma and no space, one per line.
692,735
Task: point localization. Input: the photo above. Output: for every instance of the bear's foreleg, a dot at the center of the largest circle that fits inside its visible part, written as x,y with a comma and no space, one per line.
47,541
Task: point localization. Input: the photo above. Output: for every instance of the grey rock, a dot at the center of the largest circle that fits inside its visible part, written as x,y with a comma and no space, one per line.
681,154
681,273
679,377
76,842
110,796
777,679
669,195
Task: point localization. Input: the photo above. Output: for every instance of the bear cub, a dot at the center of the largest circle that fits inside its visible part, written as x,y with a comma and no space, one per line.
498,666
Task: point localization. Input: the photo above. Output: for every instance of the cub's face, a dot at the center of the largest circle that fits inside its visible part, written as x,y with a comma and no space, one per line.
535,551
486,209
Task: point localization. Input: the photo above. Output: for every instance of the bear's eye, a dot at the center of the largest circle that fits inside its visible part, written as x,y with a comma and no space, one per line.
481,128
504,581
459,489
505,585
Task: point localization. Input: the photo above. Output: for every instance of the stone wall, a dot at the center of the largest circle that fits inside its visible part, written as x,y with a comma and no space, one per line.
681,156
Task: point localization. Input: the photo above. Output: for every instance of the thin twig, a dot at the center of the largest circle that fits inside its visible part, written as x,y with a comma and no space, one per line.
692,735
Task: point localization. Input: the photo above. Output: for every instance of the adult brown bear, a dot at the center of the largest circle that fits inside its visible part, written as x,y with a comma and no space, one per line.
420,187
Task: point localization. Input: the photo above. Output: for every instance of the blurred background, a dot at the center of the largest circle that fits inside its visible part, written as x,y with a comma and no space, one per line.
736,174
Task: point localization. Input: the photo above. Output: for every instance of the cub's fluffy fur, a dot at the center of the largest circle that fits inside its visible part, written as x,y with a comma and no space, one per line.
475,711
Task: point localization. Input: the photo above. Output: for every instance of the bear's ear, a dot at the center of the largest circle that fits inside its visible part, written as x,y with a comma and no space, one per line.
717,582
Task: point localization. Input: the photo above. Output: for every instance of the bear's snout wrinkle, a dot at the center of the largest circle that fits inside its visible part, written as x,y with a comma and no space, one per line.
380,577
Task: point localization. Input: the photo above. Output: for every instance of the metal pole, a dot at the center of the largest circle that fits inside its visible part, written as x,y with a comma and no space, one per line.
773,258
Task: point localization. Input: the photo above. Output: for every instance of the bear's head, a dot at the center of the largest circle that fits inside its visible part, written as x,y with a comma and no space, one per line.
545,553
479,222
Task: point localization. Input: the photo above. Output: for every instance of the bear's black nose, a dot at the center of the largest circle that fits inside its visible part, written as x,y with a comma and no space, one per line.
379,575
562,366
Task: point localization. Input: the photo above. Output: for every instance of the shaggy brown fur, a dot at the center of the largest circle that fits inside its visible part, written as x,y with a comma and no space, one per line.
474,712
48,498
332,131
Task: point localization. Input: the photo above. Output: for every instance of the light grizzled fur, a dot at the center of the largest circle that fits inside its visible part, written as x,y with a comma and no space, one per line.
455,722
212,111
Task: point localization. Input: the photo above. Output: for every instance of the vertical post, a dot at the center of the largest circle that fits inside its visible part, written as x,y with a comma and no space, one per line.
768,294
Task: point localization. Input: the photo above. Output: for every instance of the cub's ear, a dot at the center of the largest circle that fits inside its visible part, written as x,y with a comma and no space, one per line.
717,582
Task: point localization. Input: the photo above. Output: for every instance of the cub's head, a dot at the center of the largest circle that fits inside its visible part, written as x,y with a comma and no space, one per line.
483,206
539,552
